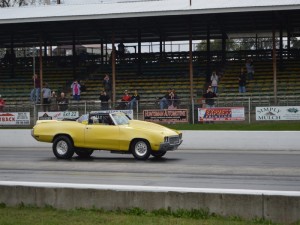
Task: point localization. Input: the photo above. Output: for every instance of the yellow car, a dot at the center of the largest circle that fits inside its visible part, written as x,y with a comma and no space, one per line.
115,132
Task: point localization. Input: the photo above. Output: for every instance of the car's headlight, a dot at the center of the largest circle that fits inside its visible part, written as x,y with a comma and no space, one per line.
166,139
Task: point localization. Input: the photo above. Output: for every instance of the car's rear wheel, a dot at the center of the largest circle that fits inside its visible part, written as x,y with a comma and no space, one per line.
158,154
63,147
141,149
84,153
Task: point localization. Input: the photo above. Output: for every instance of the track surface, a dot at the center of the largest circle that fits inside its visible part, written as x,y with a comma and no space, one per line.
253,170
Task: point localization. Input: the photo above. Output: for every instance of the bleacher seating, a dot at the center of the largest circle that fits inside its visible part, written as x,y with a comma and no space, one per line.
155,79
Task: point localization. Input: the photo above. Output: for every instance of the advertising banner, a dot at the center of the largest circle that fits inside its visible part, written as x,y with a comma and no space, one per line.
221,114
166,115
128,112
58,115
278,113
15,118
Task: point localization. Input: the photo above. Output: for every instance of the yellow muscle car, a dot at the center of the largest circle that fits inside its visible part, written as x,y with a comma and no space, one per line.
115,132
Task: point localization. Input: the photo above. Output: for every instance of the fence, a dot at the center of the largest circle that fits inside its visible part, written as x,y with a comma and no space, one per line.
76,108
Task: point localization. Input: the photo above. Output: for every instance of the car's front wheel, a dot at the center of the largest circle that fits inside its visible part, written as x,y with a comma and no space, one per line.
158,154
63,147
83,153
141,149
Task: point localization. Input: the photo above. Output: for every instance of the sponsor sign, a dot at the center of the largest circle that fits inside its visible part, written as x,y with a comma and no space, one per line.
278,113
221,114
15,118
57,115
128,112
166,116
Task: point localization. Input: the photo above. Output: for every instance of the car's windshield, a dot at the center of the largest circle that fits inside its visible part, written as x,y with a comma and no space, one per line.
120,118
84,117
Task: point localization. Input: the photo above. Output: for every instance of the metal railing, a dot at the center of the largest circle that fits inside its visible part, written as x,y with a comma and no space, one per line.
82,107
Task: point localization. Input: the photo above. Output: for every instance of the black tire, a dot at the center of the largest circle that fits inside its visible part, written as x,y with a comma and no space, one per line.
158,154
140,149
84,153
63,147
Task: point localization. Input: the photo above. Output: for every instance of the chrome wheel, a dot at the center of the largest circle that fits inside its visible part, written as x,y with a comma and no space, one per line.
141,149
63,147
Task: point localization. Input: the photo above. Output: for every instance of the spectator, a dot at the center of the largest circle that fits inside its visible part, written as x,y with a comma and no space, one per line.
173,100
124,100
209,98
2,104
121,49
82,86
53,102
35,92
164,101
242,81
107,84
134,99
104,100
214,81
76,90
250,69
46,92
62,102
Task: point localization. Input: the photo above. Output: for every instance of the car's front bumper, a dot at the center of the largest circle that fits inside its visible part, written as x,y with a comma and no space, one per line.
166,146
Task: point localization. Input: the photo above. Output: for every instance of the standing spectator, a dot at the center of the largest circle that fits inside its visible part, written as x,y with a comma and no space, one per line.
134,99
53,102
173,100
2,103
164,101
107,84
82,86
46,92
121,49
250,69
76,90
242,81
214,81
62,102
104,100
209,98
35,92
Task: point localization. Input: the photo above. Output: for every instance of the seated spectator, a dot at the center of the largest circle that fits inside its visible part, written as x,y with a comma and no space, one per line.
134,99
2,104
82,86
209,98
124,100
62,102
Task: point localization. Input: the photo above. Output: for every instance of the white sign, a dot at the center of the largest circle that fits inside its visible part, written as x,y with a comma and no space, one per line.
278,113
221,114
58,115
128,112
15,118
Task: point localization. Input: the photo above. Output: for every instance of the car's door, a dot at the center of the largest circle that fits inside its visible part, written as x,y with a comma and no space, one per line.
99,136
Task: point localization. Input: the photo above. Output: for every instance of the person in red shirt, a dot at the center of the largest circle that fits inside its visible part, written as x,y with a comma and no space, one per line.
124,100
2,104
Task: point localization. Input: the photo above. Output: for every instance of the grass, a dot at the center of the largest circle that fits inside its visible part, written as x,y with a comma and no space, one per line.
263,126
24,215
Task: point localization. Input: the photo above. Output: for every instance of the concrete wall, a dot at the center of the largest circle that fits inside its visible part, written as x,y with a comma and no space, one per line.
281,207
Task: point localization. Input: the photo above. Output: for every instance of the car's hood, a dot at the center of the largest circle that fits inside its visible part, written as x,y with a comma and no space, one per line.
143,125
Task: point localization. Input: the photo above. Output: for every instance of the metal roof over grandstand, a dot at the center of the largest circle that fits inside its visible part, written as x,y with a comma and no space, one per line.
148,20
